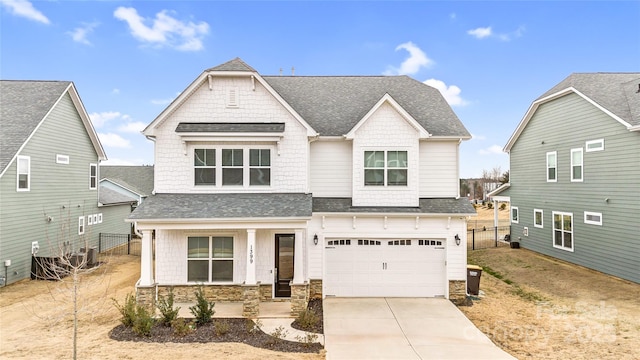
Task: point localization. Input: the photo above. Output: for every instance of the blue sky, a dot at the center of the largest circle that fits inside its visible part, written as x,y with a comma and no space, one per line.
129,59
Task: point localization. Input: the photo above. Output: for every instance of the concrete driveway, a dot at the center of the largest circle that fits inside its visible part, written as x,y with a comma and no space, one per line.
402,328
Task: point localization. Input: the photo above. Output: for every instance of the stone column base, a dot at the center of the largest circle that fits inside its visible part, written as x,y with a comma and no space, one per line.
251,300
315,289
299,298
458,291
146,296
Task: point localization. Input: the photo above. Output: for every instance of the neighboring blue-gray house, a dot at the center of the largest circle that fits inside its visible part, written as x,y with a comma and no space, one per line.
575,173
49,174
131,181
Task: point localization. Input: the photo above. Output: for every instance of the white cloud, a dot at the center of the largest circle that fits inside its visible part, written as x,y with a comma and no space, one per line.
165,30
480,33
114,140
80,34
493,149
416,60
25,9
451,93
478,137
132,127
99,119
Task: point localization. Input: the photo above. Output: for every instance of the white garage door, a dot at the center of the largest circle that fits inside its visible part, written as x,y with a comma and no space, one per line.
389,268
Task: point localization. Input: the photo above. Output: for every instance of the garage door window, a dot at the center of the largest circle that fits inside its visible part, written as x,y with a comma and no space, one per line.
430,242
340,242
399,242
369,242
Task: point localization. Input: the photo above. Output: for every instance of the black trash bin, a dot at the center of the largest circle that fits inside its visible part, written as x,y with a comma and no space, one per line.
473,279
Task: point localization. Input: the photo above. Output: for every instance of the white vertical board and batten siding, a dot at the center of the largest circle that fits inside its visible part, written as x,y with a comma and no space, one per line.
561,125
331,168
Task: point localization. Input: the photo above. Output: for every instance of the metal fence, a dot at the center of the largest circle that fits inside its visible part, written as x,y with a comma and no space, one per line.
488,237
118,244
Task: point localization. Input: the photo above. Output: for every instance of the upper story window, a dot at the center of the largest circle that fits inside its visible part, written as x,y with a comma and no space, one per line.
24,173
538,218
552,166
563,230
385,168
204,164
576,164
595,145
232,167
93,176
592,218
81,225
259,167
62,159
514,214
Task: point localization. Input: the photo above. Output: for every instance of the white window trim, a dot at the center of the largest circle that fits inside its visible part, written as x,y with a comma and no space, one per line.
525,231
100,218
210,259
553,230
91,165
28,159
586,213
517,214
89,220
246,167
386,169
541,218
62,159
81,225
555,153
581,179
591,142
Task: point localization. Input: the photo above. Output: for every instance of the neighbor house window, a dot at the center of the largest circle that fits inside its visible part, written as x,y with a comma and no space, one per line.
232,169
93,176
210,259
593,218
595,145
385,168
62,159
204,165
24,173
81,225
576,164
259,167
552,166
514,214
563,230
538,218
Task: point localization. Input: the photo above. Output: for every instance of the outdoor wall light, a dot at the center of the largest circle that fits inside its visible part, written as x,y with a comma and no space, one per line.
315,239
457,240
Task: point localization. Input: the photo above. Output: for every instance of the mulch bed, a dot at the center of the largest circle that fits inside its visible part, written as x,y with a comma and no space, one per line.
315,306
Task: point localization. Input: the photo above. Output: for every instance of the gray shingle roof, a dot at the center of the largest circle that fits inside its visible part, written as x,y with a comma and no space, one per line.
112,197
135,178
460,206
230,127
225,206
616,92
233,65
23,105
333,105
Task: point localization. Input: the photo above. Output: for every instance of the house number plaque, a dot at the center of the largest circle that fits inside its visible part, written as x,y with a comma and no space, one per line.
251,254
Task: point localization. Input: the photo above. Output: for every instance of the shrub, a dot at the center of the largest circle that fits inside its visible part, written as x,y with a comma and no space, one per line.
167,312
252,326
489,205
203,310
181,327
143,322
279,332
307,339
503,206
222,327
308,319
127,310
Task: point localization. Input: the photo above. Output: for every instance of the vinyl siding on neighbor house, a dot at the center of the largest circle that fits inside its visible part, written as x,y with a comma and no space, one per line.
561,125
23,215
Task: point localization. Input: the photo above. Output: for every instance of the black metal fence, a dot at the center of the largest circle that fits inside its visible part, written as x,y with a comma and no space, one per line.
118,244
488,237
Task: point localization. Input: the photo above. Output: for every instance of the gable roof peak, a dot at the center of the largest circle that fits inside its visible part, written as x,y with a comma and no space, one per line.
236,64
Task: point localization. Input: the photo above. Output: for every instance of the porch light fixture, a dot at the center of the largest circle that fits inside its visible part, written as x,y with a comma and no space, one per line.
315,239
457,240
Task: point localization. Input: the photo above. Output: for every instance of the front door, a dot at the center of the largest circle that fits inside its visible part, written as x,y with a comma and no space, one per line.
284,264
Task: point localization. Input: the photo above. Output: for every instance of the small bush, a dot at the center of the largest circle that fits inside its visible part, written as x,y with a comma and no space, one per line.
253,326
279,332
203,310
308,319
127,310
503,206
144,321
489,205
167,312
307,339
181,327
222,327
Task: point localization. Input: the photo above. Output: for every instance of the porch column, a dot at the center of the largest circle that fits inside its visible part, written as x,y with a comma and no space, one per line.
146,259
298,262
251,257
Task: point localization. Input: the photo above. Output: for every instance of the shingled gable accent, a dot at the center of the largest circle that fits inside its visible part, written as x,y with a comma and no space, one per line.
424,134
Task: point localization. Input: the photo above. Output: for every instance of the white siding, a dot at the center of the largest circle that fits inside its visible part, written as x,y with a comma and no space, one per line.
438,169
331,168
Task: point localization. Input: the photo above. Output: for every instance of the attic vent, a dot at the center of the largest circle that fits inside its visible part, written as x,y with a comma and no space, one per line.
232,98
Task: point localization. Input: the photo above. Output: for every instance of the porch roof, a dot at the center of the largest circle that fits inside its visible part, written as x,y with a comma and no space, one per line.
227,206
440,206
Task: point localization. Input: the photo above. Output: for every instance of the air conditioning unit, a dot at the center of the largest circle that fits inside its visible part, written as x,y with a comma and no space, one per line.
92,255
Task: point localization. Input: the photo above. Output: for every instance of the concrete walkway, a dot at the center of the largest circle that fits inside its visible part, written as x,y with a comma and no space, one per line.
402,328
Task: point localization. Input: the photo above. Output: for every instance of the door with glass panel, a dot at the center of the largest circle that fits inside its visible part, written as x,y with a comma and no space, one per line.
284,264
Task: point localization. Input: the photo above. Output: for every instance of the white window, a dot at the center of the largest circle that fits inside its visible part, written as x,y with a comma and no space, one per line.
62,159
93,176
24,173
100,218
95,218
594,145
563,230
538,218
525,231
81,225
89,220
232,167
514,214
552,166
210,259
204,163
576,164
385,168
593,218
259,167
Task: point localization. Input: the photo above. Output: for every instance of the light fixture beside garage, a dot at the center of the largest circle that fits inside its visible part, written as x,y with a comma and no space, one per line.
457,240
315,239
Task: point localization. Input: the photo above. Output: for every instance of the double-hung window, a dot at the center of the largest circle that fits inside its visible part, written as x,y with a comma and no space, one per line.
24,173
385,168
552,166
259,167
514,214
210,259
204,164
576,164
93,176
563,230
538,218
232,167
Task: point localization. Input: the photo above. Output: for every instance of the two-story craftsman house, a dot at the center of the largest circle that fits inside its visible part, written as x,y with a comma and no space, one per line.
304,186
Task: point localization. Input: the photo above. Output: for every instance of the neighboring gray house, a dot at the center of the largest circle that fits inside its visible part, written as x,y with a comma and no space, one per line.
131,181
49,172
575,173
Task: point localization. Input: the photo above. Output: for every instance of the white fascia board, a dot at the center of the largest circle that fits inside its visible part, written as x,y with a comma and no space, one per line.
393,214
449,138
86,121
424,134
634,128
122,186
500,189
232,223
